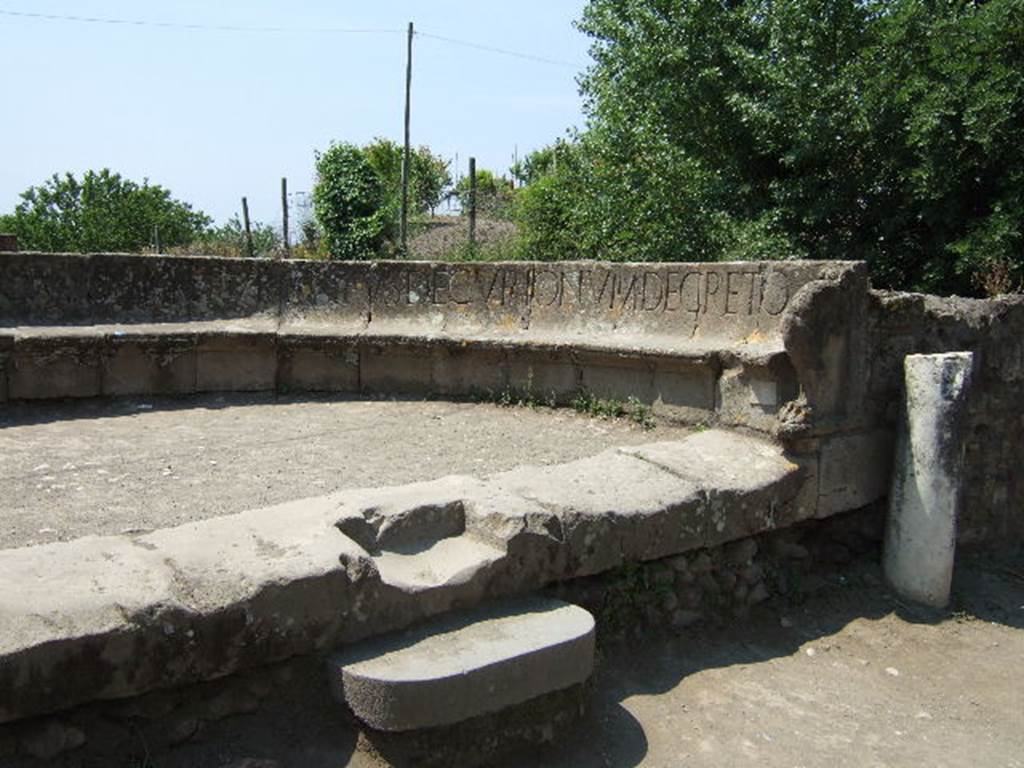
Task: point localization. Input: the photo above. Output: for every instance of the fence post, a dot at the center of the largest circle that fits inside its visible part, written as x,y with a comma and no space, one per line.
406,155
472,204
248,231
284,216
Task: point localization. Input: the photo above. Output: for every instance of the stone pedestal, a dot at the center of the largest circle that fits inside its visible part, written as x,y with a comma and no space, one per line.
924,501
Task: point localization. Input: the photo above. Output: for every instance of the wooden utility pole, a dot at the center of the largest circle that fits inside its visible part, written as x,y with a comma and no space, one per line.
248,231
472,204
156,238
284,216
406,159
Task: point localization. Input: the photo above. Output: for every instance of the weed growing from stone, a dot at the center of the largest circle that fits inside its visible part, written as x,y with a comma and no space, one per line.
584,402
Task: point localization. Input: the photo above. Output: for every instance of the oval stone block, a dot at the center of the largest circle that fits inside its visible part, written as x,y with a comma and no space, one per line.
466,665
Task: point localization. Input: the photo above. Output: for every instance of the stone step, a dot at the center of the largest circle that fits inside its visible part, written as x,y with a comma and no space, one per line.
466,665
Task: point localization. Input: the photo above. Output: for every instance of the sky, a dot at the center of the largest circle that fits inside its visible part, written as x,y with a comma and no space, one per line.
217,114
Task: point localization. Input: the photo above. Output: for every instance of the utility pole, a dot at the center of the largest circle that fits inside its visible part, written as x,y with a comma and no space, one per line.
472,204
284,216
156,238
248,231
406,159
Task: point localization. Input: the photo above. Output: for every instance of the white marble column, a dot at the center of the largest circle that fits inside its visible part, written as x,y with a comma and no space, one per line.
924,501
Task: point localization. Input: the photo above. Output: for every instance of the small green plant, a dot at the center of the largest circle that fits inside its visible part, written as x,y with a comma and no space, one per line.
640,413
590,404
583,402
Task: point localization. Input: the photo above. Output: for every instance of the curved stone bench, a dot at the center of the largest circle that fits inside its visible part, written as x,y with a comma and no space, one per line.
116,616
722,343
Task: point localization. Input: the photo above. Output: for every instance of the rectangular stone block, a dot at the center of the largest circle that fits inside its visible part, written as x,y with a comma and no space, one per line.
458,370
316,365
544,374
684,391
617,378
6,350
43,369
401,369
236,362
750,396
155,366
853,470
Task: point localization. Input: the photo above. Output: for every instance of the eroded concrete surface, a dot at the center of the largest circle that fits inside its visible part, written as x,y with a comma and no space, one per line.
110,466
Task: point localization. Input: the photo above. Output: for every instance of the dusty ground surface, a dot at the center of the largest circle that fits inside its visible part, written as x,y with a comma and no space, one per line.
848,677
107,466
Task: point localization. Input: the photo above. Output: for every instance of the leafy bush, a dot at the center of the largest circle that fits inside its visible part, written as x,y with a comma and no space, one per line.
885,130
349,203
102,212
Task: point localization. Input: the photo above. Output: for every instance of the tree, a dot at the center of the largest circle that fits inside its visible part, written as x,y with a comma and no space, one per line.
429,178
102,212
349,202
878,129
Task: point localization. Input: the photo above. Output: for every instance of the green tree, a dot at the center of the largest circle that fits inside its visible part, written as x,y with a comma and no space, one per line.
429,179
886,130
102,212
349,201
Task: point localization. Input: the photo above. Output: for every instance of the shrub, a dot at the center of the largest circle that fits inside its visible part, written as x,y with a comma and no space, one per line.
349,199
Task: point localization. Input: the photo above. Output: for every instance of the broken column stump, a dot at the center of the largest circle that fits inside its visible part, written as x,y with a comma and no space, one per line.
460,690
920,540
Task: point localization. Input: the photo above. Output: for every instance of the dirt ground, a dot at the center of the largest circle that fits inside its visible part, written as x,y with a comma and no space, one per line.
107,466
849,677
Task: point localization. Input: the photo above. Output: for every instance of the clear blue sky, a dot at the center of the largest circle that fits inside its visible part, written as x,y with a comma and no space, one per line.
214,115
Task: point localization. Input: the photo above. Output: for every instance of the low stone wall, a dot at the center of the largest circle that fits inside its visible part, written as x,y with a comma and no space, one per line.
908,323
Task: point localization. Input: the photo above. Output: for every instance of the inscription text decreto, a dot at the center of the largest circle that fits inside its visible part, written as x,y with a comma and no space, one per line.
692,291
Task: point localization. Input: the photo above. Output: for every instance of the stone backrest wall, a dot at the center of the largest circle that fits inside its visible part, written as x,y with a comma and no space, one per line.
698,342
743,302
908,323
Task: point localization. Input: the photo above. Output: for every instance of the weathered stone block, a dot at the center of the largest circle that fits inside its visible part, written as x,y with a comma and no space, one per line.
317,365
154,366
396,368
466,665
543,373
853,470
238,362
617,378
684,391
53,368
463,370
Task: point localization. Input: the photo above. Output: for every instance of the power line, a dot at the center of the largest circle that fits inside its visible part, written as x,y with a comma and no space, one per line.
503,51
284,30
185,25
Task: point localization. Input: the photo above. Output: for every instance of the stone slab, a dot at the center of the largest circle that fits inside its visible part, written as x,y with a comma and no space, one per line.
466,665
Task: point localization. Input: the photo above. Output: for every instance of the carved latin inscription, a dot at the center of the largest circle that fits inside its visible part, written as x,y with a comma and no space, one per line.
720,291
